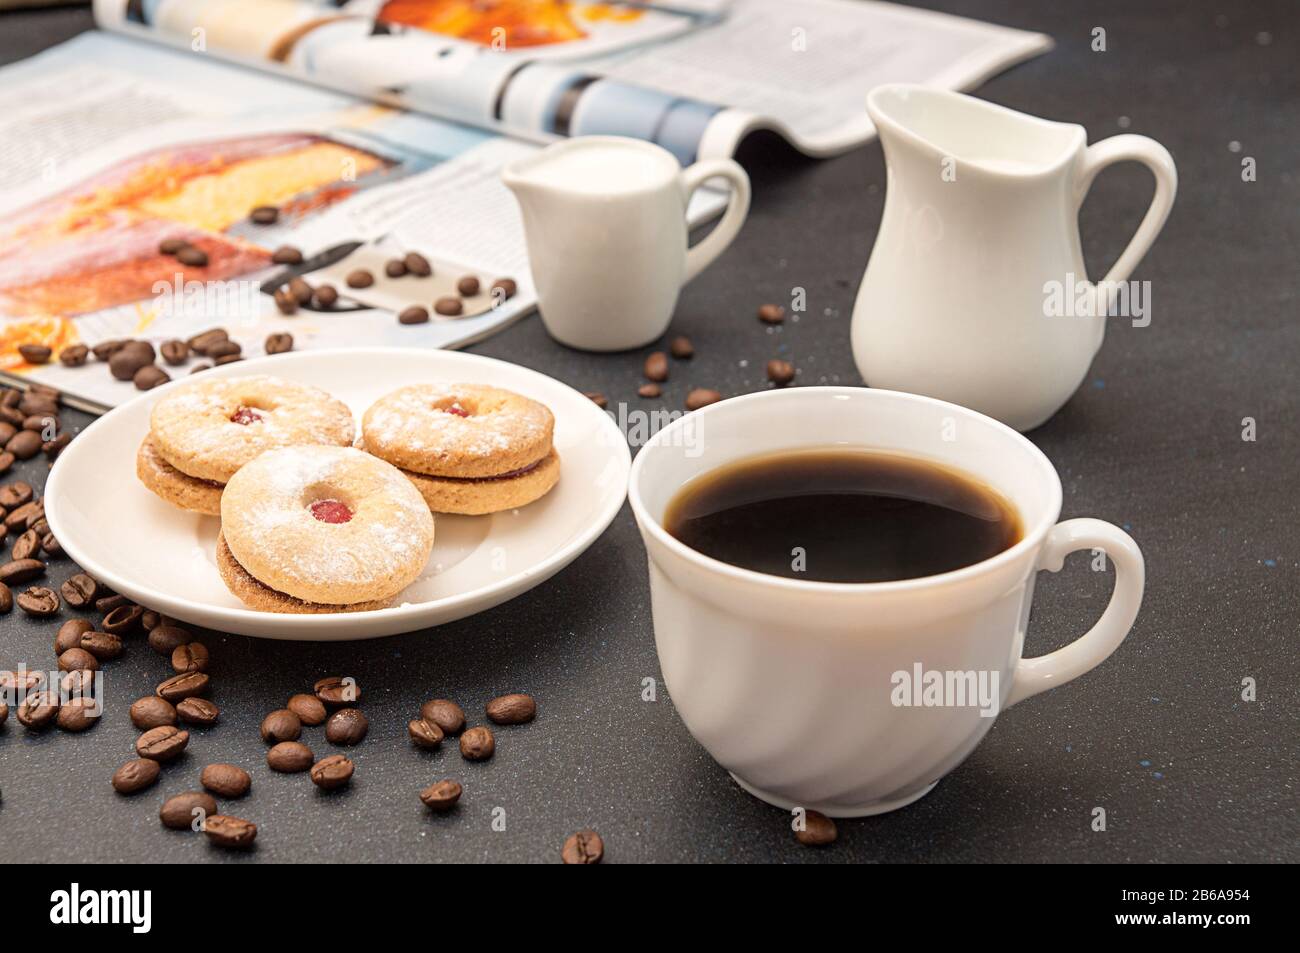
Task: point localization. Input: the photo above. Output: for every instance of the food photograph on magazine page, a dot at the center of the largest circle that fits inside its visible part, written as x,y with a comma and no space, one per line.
652,431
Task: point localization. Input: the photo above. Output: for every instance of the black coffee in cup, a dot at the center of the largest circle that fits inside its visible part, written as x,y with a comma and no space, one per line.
842,515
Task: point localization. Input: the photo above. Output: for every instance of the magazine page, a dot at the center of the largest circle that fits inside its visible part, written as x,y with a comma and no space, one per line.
692,76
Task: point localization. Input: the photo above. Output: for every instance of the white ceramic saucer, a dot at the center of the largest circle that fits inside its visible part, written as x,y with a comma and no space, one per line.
164,558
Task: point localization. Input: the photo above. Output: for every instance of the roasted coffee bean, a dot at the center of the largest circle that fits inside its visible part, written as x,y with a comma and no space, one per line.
20,681
152,712
197,711
449,306
74,355
226,831
202,366
309,709
42,422
6,599
395,268
264,215
193,256
336,691
164,743
771,313
78,714
468,286
504,289
780,372
107,604
39,524
170,246
190,658
200,343
415,314
6,460
300,290
325,297
12,416
819,830
597,398
441,796
70,634
24,445
289,757
425,734
16,494
7,431
128,361
35,353
287,255
226,348
183,686
360,279
512,709
347,726
332,772
228,359
681,348
102,645
27,545
38,710
701,397
285,301
164,639
135,775
656,367
52,448
477,744
17,519
180,811
123,620
150,620
78,683
79,591
175,352
226,780
279,343
417,264
584,847
77,658
106,349
281,725
444,713
149,377
39,602
650,390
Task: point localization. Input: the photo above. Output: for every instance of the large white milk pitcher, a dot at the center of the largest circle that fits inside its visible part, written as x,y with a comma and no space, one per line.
979,247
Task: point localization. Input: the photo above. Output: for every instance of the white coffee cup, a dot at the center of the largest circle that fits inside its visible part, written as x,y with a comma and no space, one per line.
793,686
605,223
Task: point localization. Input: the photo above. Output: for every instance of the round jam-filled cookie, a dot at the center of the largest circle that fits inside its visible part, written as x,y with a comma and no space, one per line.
321,529
478,496
210,429
458,430
178,489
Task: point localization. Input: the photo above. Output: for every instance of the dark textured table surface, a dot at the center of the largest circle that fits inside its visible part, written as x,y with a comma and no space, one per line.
1159,735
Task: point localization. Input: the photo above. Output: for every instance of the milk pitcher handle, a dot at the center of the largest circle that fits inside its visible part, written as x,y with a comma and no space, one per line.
701,256
1156,158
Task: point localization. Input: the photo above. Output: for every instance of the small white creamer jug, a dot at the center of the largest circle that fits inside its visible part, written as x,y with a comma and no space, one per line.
980,224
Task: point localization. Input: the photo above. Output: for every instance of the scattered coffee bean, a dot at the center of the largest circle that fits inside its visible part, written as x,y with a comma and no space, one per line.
165,639
162,744
26,546
656,367
150,620
180,811
503,289
106,349
197,711
332,772
325,297
102,645
360,278
308,708
515,709
78,714
202,366
175,352
424,734
183,686
468,286
123,620
35,353
39,423
347,726
584,847
149,377
395,268
441,796
448,305
77,658
226,831
135,775
51,448
771,313
192,657
74,355
290,757
226,780
80,683
281,725
301,291
79,591
701,397
228,359
4,713
417,264
193,256
286,255
69,635
279,343
681,348
819,830
446,714
200,343
415,314
477,744
597,398
15,494
38,710
170,246
21,681
6,460
107,604
7,431
17,519
264,215
285,301
780,372
129,359
336,691
6,599
649,390
152,712
24,445
226,348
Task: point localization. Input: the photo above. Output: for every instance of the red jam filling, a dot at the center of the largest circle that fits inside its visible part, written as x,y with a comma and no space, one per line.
245,416
458,410
331,511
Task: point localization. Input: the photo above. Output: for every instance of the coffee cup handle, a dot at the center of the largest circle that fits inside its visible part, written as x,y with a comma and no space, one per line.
1034,675
701,255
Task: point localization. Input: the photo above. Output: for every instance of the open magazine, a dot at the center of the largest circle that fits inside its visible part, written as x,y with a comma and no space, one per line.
376,130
